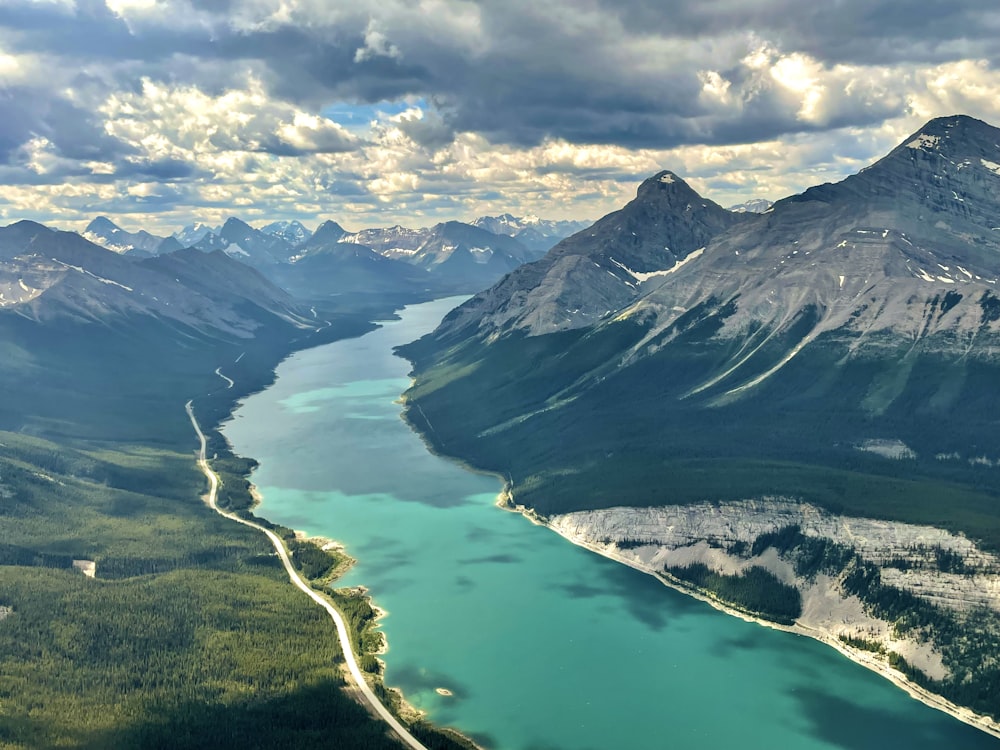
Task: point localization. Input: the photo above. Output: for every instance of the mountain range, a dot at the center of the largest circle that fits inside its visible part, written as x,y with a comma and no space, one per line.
75,316
898,262
688,388
447,257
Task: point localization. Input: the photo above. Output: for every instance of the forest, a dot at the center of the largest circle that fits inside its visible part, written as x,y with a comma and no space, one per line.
189,635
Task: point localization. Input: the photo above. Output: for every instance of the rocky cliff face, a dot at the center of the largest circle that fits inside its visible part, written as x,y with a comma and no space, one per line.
948,572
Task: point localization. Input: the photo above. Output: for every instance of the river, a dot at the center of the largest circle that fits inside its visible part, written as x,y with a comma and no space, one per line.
541,644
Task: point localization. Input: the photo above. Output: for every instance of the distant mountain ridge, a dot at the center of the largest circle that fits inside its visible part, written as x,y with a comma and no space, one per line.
448,257
536,234
48,276
292,232
102,231
752,206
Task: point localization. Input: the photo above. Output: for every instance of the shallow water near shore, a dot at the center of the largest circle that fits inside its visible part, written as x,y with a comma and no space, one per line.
542,644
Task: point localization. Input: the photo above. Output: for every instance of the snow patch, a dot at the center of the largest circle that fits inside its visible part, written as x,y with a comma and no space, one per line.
638,276
991,166
894,449
924,142
94,275
667,179
234,250
481,254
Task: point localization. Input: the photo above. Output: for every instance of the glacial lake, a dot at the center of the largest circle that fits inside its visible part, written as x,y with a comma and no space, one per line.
544,645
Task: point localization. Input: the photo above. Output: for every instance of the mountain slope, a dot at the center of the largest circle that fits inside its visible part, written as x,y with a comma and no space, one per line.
877,294
835,358
86,331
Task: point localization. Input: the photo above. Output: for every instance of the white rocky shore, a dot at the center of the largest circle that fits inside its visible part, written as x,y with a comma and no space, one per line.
653,539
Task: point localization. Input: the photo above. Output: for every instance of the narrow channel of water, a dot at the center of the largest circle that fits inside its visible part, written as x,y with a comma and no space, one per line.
541,644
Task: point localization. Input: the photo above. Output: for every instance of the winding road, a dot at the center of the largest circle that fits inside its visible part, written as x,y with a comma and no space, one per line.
345,640
229,381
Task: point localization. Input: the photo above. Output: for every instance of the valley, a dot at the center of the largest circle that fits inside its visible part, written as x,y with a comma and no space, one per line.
784,410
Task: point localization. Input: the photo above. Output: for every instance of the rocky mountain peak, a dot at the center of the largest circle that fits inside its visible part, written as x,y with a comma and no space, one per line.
236,230
668,187
328,231
597,271
102,224
292,232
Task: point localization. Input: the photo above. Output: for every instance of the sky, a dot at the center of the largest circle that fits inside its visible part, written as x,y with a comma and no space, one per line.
158,113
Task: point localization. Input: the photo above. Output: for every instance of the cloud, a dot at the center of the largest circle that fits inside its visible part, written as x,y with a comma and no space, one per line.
376,45
419,110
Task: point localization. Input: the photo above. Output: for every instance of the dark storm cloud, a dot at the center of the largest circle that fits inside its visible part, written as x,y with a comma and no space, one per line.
533,74
837,31
75,133
530,78
161,170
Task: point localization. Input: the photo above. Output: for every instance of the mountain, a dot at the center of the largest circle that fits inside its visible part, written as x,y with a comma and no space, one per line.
48,276
601,269
459,257
752,206
252,245
87,333
877,294
292,232
392,242
239,240
102,231
536,234
326,265
809,393
326,233
193,233
448,258
468,257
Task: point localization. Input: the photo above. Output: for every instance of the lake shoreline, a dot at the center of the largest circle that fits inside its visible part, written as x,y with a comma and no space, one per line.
403,709
865,659
858,656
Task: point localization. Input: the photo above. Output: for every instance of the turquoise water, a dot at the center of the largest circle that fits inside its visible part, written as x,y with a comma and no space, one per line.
544,645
